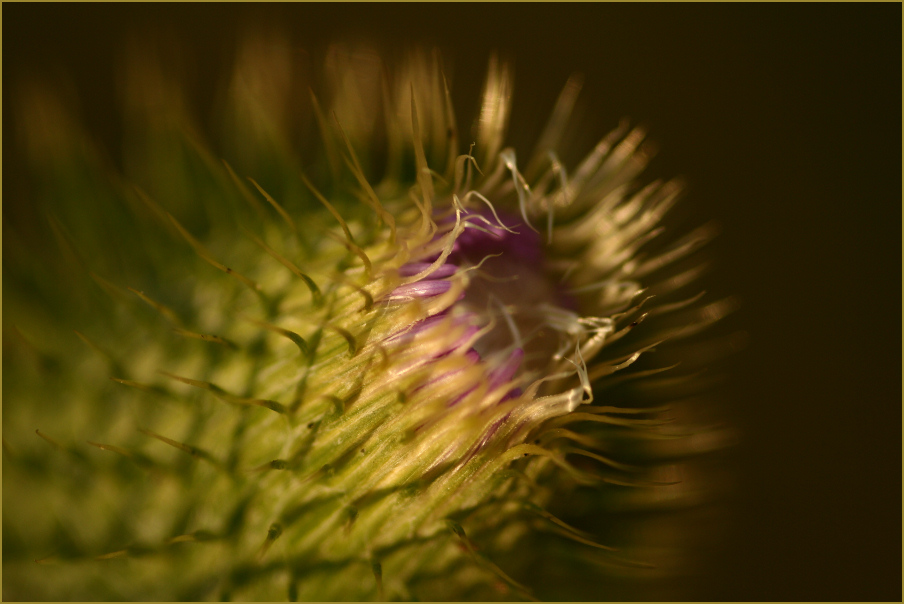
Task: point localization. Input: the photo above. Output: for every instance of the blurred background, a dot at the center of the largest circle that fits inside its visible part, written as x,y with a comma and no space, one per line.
785,120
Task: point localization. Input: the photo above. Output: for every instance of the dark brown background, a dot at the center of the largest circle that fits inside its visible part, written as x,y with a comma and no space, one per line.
786,121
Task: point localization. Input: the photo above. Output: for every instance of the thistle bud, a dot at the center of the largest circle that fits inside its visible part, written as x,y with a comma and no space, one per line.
385,366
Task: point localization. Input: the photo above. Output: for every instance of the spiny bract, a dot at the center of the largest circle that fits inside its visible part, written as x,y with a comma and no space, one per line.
271,377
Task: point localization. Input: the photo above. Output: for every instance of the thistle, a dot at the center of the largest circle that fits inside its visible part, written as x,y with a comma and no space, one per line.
387,368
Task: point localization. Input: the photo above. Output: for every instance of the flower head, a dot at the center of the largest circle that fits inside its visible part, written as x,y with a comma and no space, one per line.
301,380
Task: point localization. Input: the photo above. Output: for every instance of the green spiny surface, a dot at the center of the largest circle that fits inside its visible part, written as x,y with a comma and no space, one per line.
221,409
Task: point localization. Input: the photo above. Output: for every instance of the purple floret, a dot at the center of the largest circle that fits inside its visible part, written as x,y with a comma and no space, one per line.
475,244
413,268
420,289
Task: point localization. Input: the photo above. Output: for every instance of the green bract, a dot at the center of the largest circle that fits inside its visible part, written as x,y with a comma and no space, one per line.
270,378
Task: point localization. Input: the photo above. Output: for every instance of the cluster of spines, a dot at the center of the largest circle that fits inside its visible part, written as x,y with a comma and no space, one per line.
344,307
330,346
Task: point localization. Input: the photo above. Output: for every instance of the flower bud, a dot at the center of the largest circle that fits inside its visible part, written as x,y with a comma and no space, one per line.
259,378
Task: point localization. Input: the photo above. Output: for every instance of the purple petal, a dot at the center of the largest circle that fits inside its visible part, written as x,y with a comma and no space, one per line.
473,245
505,372
446,270
421,289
